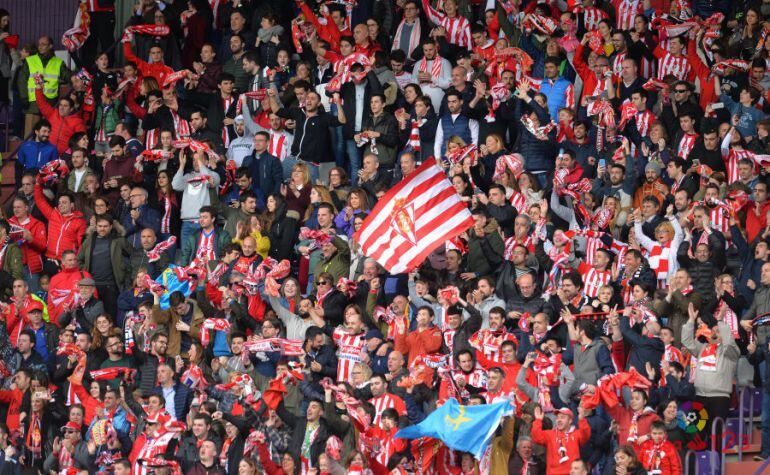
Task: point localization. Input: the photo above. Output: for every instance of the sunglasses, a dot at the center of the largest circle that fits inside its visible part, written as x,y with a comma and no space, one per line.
680,91
323,282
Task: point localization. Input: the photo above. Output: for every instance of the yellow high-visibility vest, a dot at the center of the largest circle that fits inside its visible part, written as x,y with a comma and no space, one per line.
50,76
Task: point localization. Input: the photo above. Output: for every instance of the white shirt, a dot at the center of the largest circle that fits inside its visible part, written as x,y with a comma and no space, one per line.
360,93
472,124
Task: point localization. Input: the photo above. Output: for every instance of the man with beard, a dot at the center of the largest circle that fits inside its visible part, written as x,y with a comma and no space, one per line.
242,144
139,258
356,96
467,377
635,268
312,140
584,146
707,150
653,185
620,181
118,169
308,249
116,358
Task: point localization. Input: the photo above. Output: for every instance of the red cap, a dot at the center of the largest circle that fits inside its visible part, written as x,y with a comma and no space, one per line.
566,411
35,305
71,426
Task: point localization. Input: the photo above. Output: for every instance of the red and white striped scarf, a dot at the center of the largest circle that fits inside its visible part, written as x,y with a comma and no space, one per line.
436,67
540,133
686,144
181,126
226,103
414,37
414,135
277,145
659,259
707,361
165,222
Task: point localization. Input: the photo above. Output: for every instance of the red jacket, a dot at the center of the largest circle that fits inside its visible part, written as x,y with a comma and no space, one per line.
157,70
65,233
13,398
32,251
61,287
419,342
571,440
16,318
623,417
90,404
62,128
668,464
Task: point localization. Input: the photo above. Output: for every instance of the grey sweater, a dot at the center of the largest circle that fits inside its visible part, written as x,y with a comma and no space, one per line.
194,195
717,383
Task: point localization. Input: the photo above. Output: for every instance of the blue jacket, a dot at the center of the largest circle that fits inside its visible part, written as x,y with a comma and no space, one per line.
182,398
540,155
266,173
556,95
36,154
148,218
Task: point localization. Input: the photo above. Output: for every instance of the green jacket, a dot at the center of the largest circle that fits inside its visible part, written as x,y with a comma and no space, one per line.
119,252
110,116
338,265
485,254
190,246
13,262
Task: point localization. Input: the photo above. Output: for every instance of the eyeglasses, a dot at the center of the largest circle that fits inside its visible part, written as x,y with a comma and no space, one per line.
323,282
680,91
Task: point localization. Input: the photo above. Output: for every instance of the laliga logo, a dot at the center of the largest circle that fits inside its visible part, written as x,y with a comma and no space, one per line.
692,417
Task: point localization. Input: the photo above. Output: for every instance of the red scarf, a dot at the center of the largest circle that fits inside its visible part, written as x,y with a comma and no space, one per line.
435,70
34,439
540,133
708,358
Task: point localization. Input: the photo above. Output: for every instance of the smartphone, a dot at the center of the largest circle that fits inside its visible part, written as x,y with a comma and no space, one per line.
602,163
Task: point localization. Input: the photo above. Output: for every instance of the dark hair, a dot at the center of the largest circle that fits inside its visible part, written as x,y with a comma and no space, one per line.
40,124
225,77
210,210
176,298
30,334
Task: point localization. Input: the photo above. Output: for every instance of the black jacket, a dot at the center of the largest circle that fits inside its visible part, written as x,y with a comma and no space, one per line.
643,349
348,94
298,426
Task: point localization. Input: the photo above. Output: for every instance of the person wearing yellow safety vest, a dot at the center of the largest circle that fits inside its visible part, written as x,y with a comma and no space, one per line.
54,72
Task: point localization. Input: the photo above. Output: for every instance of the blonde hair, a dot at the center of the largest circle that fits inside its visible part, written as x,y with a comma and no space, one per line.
665,226
366,371
305,172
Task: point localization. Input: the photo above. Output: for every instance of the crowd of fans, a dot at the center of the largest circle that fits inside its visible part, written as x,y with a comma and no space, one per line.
181,288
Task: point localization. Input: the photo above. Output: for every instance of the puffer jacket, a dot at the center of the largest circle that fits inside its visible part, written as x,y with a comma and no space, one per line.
65,233
62,128
540,154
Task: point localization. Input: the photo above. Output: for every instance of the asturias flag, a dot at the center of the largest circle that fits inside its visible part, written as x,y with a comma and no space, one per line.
171,282
464,428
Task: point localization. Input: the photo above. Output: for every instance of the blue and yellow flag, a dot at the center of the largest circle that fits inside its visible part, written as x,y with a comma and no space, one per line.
171,282
464,428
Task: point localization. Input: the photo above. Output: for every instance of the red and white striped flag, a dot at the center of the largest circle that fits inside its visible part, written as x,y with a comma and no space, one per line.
412,219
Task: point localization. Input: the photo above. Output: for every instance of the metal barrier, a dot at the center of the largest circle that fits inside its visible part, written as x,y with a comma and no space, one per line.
722,443
741,423
687,455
